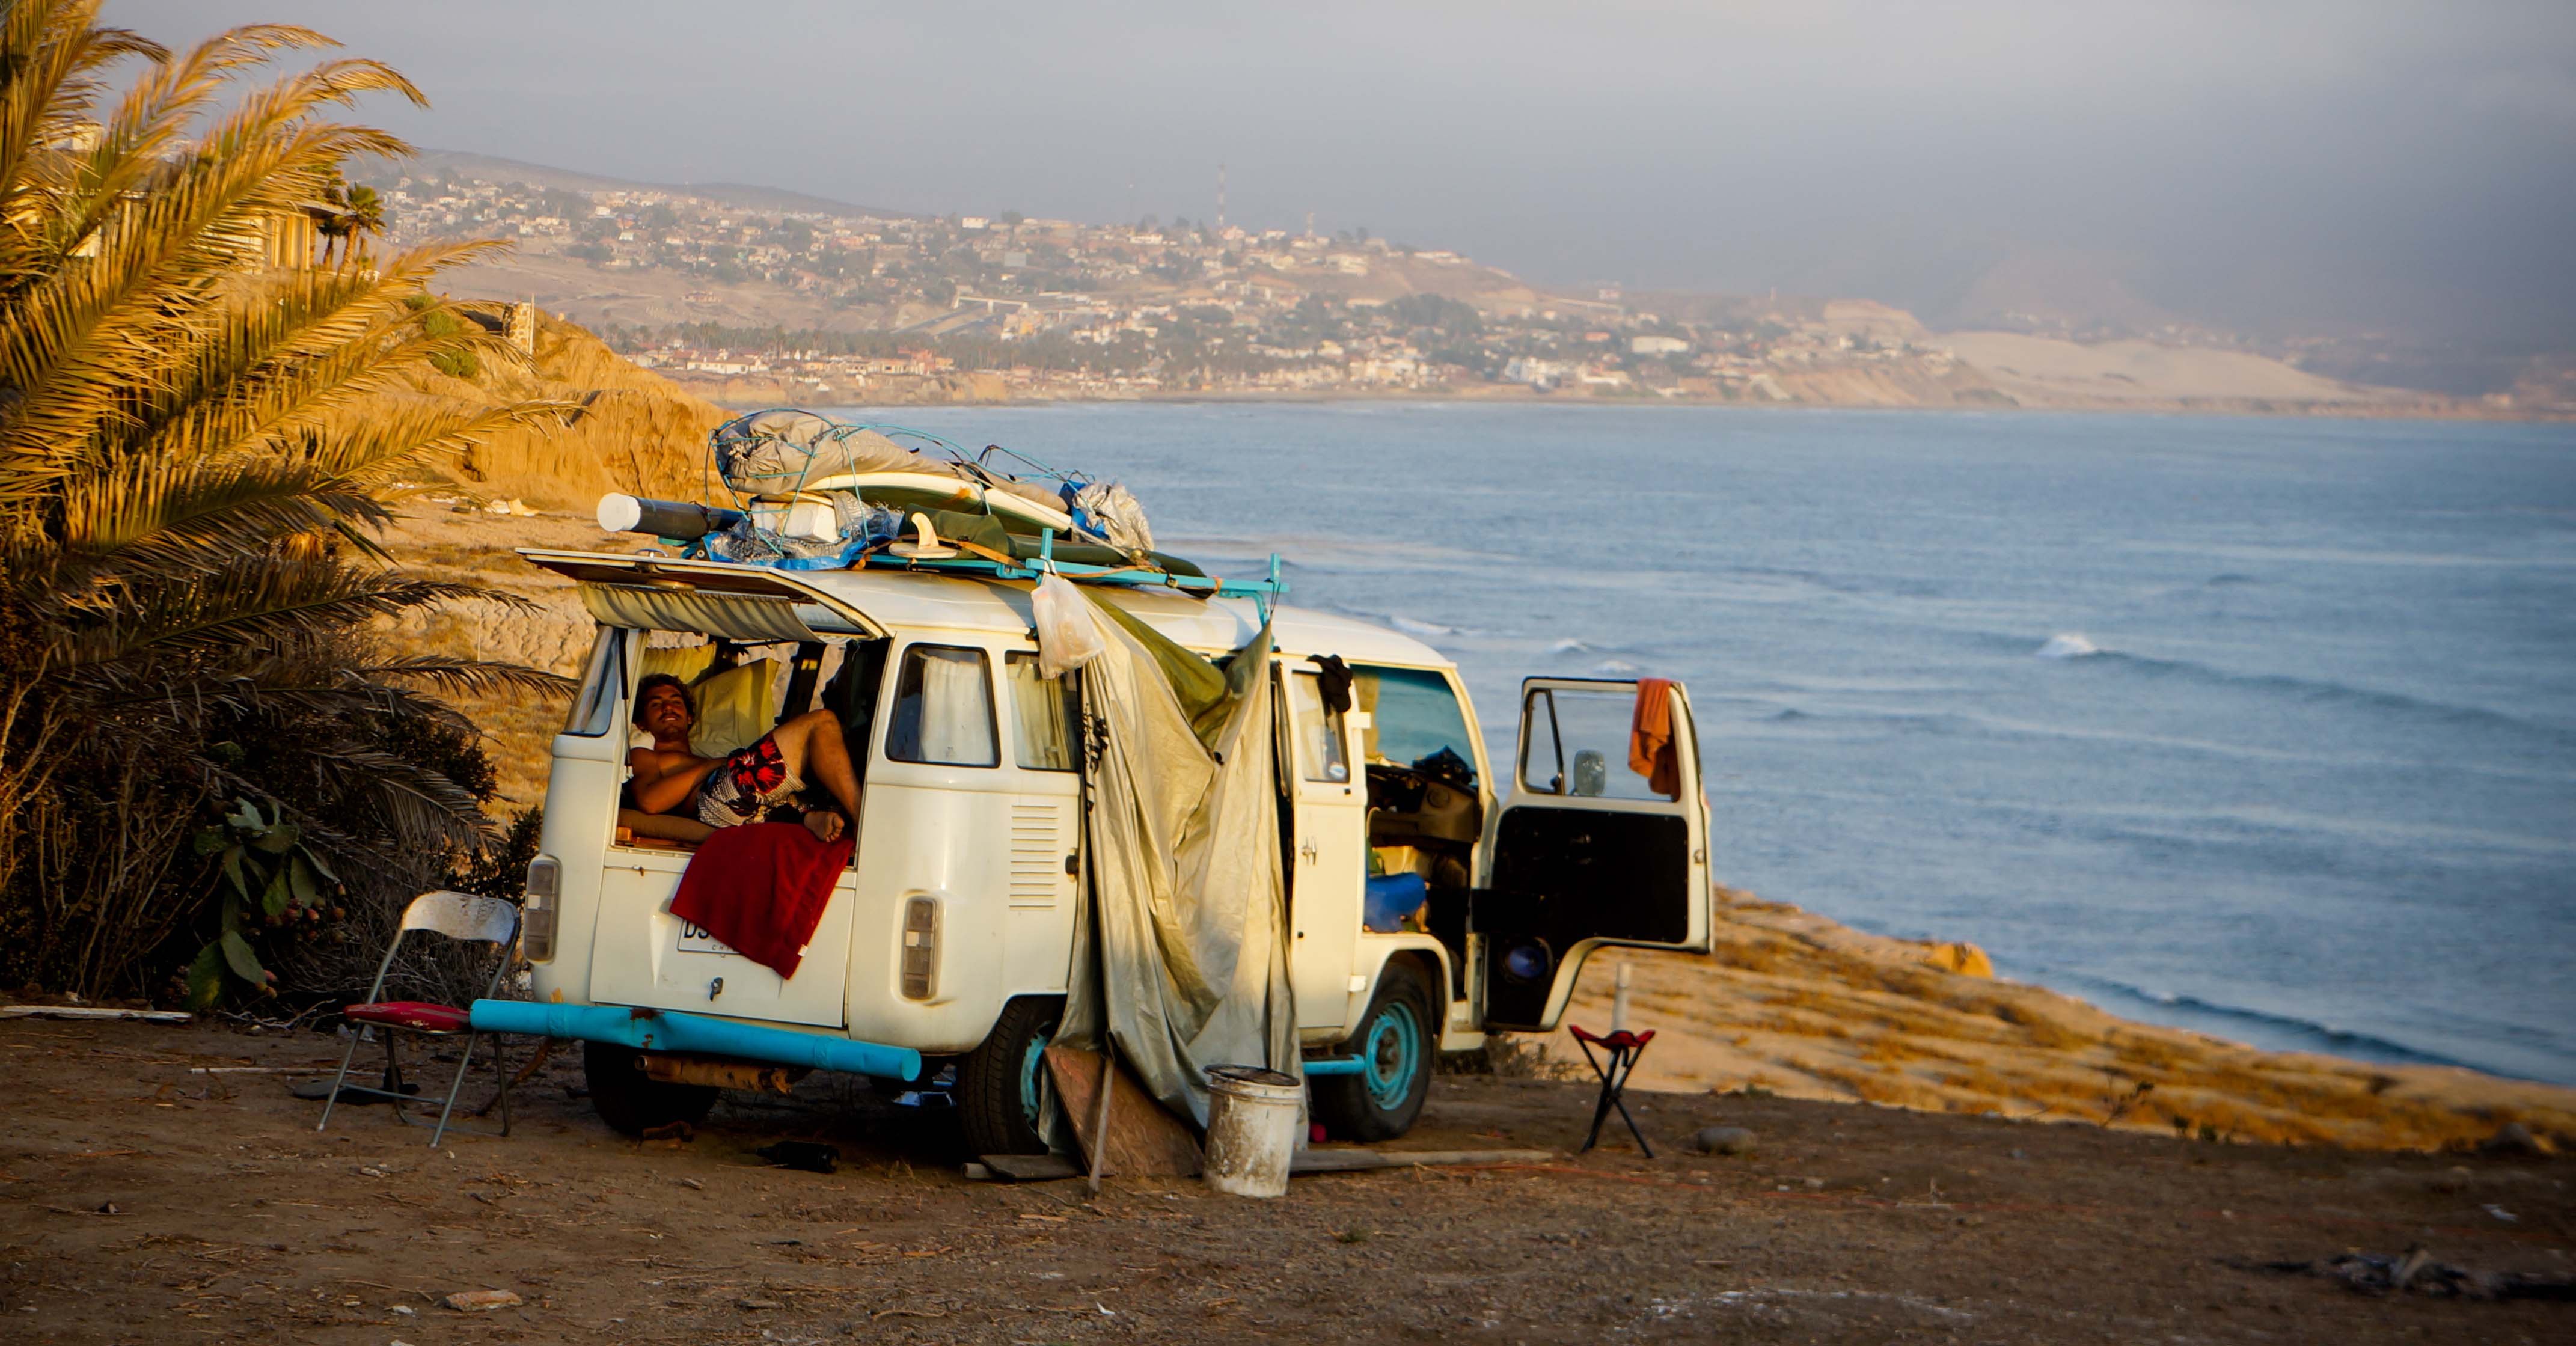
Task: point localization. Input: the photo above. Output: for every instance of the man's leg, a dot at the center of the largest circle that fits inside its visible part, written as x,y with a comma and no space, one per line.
813,749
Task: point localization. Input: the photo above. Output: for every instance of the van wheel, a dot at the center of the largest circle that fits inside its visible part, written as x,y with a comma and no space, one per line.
1395,1042
632,1102
1001,1082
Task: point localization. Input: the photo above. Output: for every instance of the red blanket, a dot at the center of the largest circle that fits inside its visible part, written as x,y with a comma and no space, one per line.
761,889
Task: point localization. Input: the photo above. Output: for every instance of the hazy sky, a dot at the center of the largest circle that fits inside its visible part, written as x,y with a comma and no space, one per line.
2296,164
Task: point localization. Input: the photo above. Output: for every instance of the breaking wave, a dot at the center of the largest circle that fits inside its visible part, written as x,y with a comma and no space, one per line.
1414,626
2067,645
2262,1027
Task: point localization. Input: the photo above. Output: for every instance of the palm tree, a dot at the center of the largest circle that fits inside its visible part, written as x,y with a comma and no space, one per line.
195,463
362,217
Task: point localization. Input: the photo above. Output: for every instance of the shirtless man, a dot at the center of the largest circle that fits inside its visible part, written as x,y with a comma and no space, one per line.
746,785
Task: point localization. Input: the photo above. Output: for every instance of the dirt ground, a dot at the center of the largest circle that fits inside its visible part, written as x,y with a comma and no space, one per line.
142,1202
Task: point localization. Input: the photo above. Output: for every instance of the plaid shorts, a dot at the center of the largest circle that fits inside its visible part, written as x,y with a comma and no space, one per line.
750,783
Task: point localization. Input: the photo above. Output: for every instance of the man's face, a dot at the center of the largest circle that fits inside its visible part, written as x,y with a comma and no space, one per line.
666,712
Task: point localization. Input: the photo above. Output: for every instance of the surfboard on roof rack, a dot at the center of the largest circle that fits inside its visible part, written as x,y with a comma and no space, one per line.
813,493
784,452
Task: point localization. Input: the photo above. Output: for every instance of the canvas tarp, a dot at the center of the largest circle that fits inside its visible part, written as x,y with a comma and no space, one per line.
1183,962
783,451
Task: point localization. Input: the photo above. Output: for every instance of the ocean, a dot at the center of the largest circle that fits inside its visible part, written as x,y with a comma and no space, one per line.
2263,727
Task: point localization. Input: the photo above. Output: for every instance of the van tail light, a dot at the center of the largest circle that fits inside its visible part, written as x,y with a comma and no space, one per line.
537,910
921,948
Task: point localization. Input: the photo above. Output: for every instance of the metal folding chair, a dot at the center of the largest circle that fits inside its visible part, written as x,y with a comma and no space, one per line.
459,916
1623,1048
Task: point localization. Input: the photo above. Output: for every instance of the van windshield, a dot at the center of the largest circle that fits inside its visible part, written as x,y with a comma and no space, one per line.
1414,718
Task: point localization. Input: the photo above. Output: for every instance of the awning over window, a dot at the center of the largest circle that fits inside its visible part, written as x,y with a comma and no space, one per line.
733,616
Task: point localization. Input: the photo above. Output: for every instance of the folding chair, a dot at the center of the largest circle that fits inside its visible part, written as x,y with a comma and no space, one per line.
459,916
1623,1048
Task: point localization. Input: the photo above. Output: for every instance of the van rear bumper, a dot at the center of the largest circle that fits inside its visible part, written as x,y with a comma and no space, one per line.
674,1031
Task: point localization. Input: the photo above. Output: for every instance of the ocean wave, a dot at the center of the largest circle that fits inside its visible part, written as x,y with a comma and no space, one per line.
1569,646
2329,690
1414,626
2071,645
2281,1029
1615,668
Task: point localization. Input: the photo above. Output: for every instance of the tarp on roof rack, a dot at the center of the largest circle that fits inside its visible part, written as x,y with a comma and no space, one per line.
784,451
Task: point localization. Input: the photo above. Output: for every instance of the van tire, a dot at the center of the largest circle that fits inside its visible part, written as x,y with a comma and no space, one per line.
632,1102
999,1082
1398,1037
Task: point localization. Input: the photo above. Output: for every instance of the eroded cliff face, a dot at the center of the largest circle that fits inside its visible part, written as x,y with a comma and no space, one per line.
620,428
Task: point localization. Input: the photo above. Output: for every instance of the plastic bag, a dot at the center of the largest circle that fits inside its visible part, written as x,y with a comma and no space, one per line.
1068,632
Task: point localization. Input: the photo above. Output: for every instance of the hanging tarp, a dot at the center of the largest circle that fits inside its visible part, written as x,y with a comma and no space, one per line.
1182,960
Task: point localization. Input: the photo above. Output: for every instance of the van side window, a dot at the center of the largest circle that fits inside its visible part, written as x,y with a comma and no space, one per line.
603,682
943,708
1577,745
1043,714
1319,731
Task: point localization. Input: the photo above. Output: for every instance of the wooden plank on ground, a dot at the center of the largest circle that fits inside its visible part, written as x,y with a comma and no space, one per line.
1030,1167
93,1012
1361,1161
1144,1141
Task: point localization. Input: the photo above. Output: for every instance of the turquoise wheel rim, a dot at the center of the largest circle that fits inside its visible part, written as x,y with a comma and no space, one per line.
1392,1053
1032,1071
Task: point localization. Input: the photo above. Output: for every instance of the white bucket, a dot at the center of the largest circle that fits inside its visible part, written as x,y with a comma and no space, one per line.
1252,1129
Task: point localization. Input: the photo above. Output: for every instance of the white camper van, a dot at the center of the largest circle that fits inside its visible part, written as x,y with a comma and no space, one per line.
946,947
1429,901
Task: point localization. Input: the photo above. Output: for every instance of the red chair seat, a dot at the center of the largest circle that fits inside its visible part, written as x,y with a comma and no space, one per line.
1622,1038
421,1016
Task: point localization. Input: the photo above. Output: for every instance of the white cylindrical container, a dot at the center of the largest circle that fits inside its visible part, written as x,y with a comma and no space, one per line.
1252,1129
1619,999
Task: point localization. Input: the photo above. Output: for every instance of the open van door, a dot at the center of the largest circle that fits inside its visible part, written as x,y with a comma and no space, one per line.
1586,850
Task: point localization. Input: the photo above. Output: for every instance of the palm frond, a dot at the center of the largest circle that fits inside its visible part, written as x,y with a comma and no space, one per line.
474,677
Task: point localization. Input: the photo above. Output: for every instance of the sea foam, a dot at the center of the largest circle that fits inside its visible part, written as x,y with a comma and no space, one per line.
2067,645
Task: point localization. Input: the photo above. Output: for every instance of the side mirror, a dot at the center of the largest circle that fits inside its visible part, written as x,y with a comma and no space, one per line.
1591,772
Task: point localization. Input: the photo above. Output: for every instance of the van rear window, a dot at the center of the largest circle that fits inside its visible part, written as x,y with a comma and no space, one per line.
943,708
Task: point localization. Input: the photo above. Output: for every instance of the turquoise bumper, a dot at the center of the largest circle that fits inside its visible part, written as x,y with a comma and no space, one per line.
674,1031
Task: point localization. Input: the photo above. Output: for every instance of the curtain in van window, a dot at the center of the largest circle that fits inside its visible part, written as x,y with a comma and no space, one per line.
1041,730
943,709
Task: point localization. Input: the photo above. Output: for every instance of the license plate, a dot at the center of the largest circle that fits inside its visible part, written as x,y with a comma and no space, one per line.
696,940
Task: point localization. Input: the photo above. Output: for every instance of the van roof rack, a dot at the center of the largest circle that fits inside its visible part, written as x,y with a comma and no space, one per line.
1144,574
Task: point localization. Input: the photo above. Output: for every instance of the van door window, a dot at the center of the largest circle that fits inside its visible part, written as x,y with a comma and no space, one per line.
943,708
1319,731
603,682
1043,714
1576,744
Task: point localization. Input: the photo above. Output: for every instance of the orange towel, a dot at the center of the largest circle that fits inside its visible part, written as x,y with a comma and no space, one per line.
1650,737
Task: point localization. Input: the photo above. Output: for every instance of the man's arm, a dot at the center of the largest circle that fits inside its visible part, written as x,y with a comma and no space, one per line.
661,785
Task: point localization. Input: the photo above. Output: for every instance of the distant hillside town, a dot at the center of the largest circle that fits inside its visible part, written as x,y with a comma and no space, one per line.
793,300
